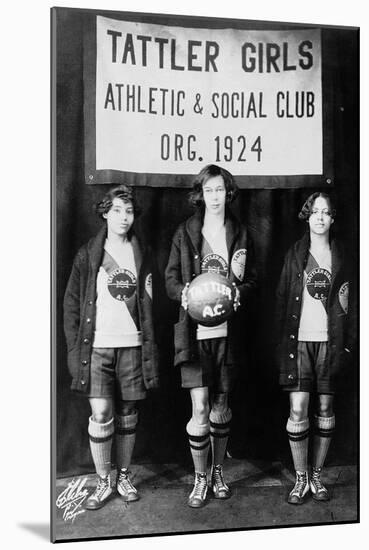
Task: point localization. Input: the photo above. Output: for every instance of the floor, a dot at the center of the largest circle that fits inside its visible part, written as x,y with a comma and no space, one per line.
259,497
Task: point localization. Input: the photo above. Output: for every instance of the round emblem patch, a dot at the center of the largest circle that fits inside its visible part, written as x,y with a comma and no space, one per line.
121,284
238,263
214,263
148,285
318,282
343,296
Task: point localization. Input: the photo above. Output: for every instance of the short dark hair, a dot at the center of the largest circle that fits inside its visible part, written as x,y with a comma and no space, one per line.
196,196
307,207
123,192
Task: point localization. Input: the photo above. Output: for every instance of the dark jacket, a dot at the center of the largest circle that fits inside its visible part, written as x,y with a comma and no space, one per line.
341,325
80,312
185,264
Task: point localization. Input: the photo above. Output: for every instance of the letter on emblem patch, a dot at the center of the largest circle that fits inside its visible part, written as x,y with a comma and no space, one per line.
343,295
238,263
148,285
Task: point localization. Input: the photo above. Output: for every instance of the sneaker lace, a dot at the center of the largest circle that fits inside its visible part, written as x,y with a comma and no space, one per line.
125,481
101,486
218,479
317,481
200,486
301,481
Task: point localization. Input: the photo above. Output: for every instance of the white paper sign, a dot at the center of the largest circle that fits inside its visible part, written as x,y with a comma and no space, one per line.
171,99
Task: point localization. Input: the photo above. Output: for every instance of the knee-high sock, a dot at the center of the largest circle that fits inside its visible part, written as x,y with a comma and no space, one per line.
219,432
101,436
198,436
324,429
125,437
298,435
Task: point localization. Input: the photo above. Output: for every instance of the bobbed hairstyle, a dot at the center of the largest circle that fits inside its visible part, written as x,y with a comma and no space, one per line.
123,192
307,207
196,196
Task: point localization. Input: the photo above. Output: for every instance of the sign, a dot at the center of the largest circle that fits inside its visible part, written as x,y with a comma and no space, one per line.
169,100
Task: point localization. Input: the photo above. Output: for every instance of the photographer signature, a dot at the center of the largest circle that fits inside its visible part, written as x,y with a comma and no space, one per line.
72,498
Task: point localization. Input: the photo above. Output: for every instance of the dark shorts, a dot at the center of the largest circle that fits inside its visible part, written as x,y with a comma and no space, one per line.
312,370
210,371
117,372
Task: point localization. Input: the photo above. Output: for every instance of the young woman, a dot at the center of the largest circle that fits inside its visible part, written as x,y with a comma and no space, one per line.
208,356
110,338
315,336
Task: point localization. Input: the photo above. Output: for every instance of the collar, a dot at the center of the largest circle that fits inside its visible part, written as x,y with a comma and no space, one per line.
301,249
194,226
96,249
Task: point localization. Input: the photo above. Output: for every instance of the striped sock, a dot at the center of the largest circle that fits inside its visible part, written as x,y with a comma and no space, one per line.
298,435
219,432
125,437
198,435
101,436
324,429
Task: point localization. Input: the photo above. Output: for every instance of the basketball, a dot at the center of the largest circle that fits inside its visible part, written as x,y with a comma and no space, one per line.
210,299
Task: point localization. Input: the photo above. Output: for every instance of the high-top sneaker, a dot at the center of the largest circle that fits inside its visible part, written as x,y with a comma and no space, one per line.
219,486
300,489
317,488
198,496
125,488
100,495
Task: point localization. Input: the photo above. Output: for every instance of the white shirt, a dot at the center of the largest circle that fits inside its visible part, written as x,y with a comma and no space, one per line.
114,326
314,319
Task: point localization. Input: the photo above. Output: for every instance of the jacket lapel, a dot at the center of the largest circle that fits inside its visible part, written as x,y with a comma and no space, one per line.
232,231
337,260
193,228
301,251
136,253
96,249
